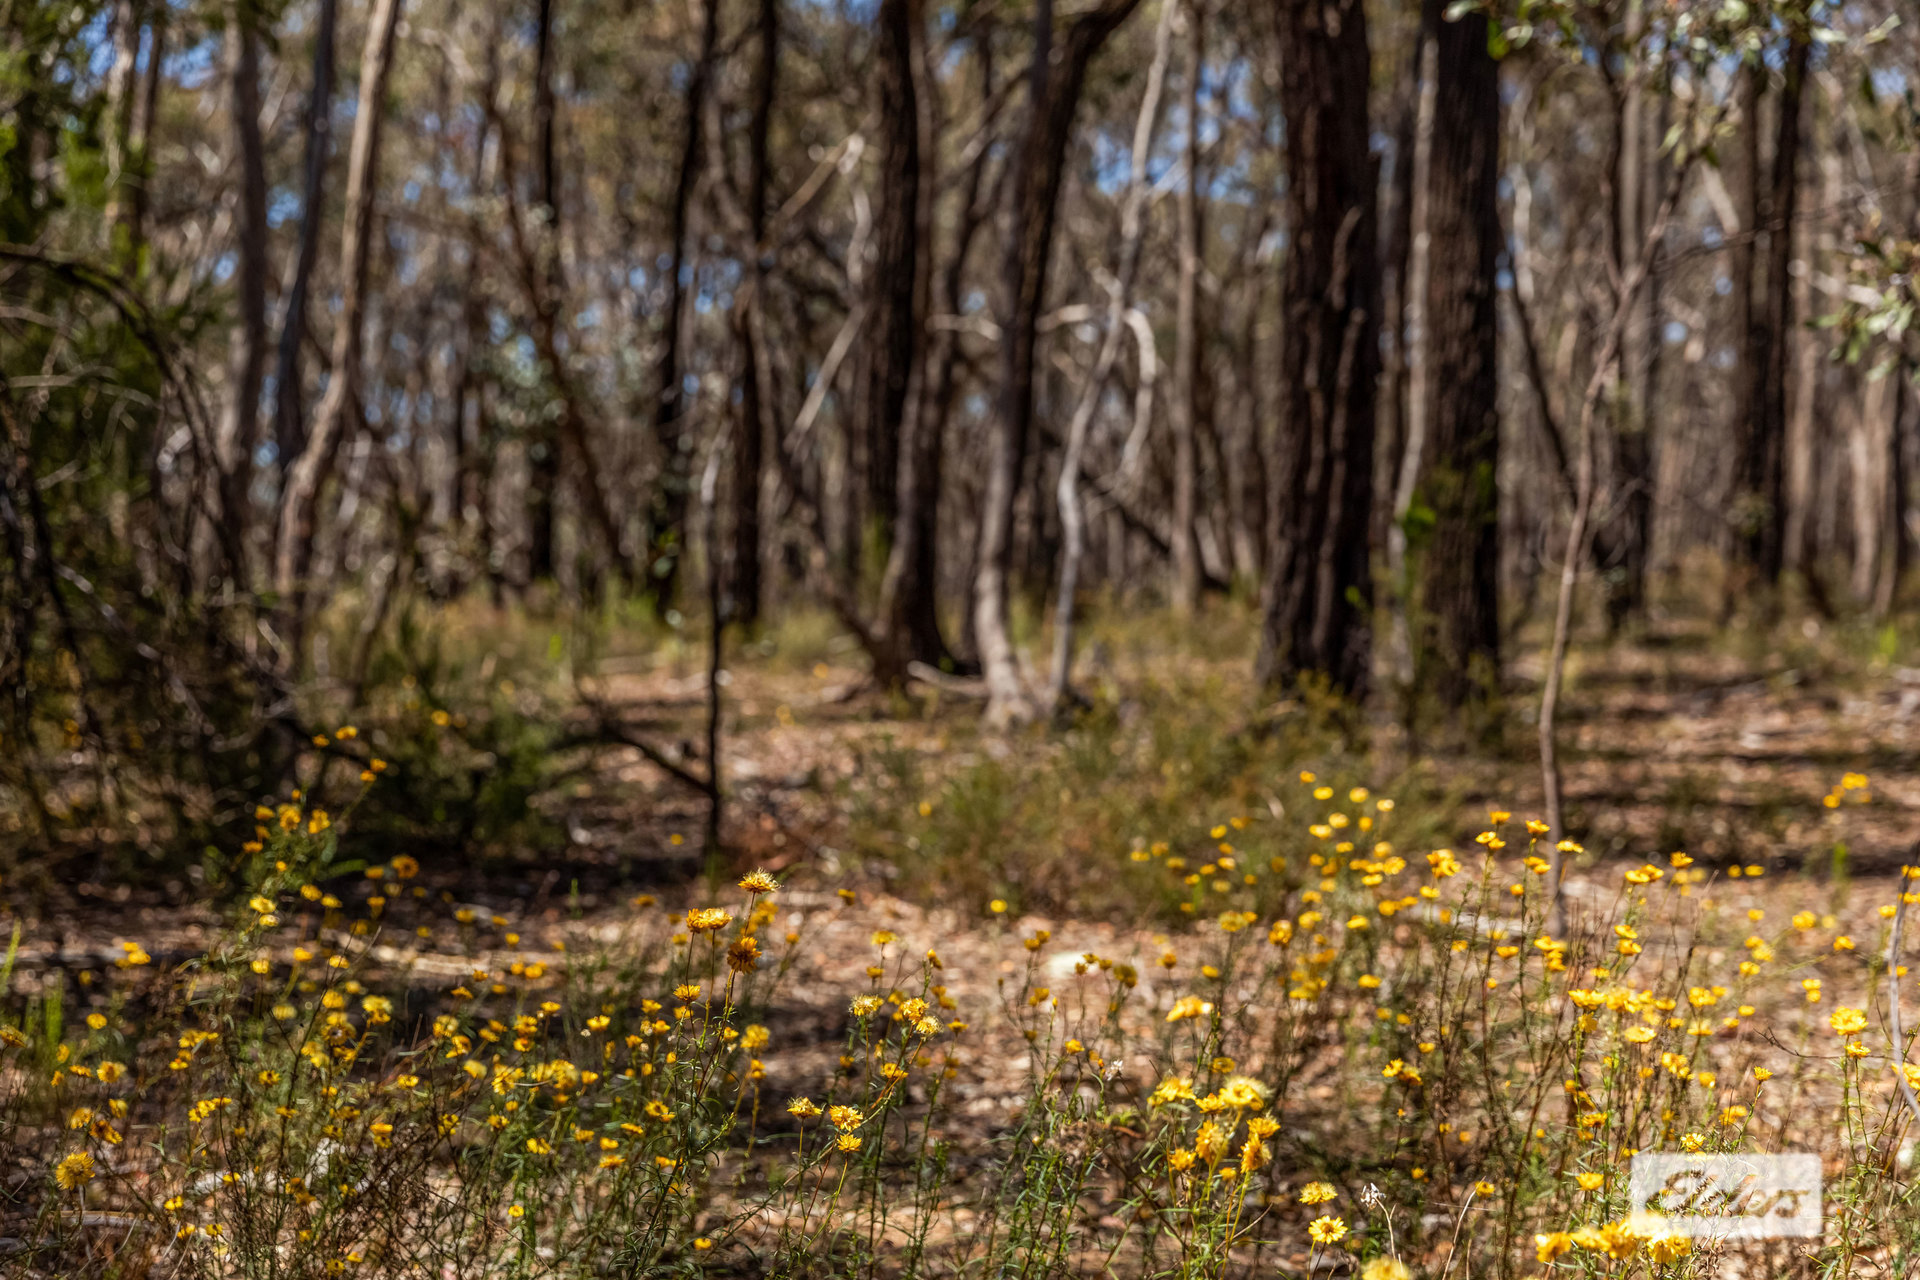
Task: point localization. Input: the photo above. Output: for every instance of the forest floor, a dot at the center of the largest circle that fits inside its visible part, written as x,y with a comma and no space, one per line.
1679,744
1680,741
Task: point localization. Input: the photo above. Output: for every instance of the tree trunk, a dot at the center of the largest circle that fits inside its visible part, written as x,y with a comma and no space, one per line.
1899,458
290,414
1411,339
1869,451
1460,661
543,450
749,455
1893,561
1642,468
1743,320
1816,247
239,430
1185,418
1782,324
1038,157
667,510
1319,586
1762,472
910,606
294,549
909,622
1396,243
1632,479
897,282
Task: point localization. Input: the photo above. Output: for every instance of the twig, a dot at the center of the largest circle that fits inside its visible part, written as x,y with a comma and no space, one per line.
1537,381
1577,533
1067,495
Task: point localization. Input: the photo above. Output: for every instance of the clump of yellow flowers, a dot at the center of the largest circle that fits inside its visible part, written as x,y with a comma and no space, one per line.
1355,1054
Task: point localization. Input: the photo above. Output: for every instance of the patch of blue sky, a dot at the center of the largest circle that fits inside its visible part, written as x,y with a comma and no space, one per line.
195,65
95,38
282,205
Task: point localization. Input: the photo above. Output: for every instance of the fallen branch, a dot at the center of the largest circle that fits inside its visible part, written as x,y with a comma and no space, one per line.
608,729
962,686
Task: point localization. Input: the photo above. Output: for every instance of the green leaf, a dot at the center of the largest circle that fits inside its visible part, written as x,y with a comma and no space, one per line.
13,952
1419,522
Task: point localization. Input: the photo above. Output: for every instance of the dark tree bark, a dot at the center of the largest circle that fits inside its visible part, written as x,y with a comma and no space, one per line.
749,455
1459,657
1315,608
909,628
1638,445
896,283
667,509
1744,313
240,420
1901,437
913,566
290,414
1038,157
543,471
1761,506
1620,544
